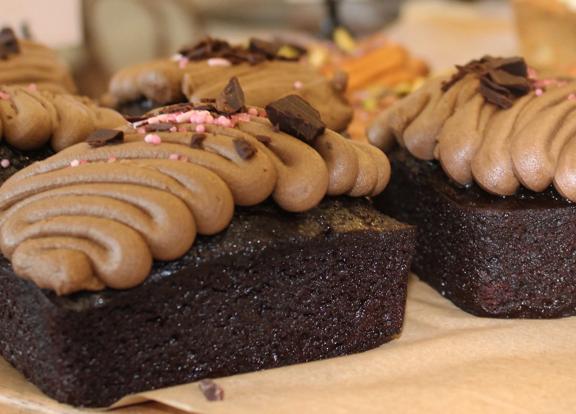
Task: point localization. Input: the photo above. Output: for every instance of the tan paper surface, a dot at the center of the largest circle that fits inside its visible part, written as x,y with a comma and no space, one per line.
445,361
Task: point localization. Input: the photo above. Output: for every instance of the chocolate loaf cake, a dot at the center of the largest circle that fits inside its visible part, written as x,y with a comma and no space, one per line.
486,172
198,242
273,289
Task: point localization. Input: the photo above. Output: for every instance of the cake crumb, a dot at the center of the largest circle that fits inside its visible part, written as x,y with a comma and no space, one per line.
211,390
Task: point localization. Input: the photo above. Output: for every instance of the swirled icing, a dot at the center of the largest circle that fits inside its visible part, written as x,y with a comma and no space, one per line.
166,81
531,144
31,118
37,64
89,218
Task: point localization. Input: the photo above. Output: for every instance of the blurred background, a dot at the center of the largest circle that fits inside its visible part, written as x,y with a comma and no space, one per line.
97,37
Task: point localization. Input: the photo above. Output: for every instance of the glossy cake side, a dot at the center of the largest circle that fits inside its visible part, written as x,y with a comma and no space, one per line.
273,289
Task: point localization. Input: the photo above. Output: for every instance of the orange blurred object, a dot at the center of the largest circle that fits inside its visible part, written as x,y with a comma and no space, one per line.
379,72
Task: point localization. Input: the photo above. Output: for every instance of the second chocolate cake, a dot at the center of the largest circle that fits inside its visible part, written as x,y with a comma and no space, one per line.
487,172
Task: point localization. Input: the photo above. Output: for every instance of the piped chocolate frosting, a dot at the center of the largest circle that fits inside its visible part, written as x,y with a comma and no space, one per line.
530,143
92,217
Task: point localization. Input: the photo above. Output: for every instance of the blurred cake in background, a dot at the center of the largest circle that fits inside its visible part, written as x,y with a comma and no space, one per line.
547,33
378,72
24,62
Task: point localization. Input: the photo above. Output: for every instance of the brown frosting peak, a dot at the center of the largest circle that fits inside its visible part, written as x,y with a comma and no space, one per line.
263,81
92,217
31,118
24,62
531,143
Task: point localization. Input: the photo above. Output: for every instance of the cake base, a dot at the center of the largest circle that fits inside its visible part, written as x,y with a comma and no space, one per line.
507,257
273,289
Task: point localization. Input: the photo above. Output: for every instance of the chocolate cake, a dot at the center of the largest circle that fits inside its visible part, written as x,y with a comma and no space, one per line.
198,242
501,257
486,173
273,289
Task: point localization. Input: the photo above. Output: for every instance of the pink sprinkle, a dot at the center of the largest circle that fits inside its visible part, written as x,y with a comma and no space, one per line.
209,119
141,130
173,129
5,163
253,111
223,121
153,139
74,163
112,159
183,128
538,92
82,162
200,128
218,62
4,95
174,157
532,74
32,87
572,97
182,63
298,85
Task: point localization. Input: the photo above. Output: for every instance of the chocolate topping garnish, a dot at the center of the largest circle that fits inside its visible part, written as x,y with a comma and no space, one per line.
502,80
231,99
296,117
340,81
197,141
8,43
102,137
211,390
258,51
268,49
159,127
244,148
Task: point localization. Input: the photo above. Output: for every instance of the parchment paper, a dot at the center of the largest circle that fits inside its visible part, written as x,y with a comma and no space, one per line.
445,361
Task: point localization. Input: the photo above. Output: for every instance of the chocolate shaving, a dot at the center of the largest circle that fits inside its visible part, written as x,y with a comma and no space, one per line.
264,139
168,109
258,51
502,80
8,43
197,141
102,137
244,148
268,49
159,127
231,99
296,117
211,390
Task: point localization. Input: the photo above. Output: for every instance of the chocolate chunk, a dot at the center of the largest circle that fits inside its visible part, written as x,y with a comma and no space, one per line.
231,99
102,137
244,148
268,49
8,43
159,127
264,139
197,141
211,390
296,117
502,80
